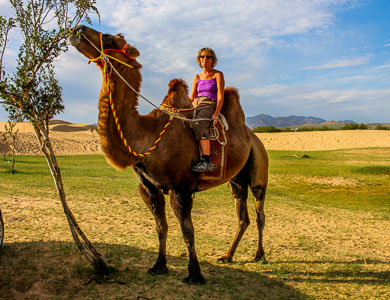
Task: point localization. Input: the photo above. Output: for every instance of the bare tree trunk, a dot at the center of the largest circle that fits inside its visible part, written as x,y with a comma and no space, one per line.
93,256
13,160
14,138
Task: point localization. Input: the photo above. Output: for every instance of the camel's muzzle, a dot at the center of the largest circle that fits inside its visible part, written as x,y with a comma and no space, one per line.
75,38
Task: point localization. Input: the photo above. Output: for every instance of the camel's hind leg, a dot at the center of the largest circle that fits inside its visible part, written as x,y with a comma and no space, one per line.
239,189
259,193
155,201
258,180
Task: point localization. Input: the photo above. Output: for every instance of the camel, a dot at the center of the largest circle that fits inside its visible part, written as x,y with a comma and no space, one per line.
167,169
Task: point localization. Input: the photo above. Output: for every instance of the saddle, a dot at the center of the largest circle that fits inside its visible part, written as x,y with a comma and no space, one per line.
219,142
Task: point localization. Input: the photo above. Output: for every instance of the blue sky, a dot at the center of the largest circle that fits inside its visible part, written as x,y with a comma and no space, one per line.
322,58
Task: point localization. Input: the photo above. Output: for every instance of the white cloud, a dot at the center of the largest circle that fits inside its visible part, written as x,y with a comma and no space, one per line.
6,8
76,112
340,63
329,104
385,66
70,64
357,96
301,95
169,32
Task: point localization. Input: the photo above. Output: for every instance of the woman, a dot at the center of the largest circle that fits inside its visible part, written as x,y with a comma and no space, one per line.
207,97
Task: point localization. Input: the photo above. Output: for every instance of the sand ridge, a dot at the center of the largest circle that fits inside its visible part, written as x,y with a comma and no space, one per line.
69,139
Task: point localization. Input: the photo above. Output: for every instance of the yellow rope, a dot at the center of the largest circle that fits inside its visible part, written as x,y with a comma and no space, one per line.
113,110
102,54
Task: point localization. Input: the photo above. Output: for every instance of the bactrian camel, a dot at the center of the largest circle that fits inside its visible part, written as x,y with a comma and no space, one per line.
167,169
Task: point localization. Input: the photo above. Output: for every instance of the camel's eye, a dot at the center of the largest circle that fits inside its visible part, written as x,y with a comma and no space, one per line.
108,41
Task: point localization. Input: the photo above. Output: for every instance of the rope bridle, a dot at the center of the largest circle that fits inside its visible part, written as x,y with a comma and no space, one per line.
104,59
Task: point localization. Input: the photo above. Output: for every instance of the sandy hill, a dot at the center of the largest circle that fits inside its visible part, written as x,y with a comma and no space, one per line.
68,139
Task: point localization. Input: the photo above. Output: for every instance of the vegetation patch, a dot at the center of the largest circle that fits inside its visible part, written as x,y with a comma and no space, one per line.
321,127
374,170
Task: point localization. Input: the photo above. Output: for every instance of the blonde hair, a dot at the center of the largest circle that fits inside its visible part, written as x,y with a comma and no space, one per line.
210,52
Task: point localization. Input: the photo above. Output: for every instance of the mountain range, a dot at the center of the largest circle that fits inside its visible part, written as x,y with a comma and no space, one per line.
281,122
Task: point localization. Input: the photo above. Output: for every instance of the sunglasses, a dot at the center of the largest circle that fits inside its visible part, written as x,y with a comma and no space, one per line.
206,56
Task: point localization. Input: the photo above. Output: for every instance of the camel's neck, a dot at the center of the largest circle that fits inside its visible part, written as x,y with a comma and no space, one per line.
125,102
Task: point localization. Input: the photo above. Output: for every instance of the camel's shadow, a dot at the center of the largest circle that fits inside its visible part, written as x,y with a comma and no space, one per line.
57,269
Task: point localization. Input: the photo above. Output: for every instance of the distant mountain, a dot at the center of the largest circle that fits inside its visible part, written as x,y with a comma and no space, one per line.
280,122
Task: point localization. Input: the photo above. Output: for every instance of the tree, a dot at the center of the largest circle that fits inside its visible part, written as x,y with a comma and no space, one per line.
33,91
11,138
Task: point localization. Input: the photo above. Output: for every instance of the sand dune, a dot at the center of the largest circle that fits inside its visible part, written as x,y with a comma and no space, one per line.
325,140
55,125
68,138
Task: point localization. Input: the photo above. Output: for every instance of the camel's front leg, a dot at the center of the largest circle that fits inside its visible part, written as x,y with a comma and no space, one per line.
182,204
155,201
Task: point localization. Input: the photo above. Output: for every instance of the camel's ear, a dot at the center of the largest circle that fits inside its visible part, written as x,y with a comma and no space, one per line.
132,52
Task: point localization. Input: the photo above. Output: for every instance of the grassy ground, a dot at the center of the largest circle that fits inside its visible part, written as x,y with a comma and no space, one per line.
327,232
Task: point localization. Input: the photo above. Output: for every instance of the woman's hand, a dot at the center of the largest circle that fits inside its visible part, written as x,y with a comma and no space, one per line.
215,117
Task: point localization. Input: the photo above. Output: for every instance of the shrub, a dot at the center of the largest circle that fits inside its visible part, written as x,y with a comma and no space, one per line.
381,127
264,129
354,126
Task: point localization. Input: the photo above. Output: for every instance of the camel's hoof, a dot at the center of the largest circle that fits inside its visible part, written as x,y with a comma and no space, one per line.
225,259
261,259
195,280
158,270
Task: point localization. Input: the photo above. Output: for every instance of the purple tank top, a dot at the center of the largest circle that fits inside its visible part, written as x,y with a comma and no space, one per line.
208,88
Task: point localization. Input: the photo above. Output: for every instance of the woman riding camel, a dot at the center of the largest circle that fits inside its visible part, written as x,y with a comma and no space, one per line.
207,98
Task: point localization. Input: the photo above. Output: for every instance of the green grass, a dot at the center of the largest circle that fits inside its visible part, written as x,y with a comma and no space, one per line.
339,179
325,236
88,175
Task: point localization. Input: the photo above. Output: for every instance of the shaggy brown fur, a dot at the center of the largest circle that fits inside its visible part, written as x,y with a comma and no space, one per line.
167,170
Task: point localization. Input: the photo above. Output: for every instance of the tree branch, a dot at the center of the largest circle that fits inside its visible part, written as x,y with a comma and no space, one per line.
9,25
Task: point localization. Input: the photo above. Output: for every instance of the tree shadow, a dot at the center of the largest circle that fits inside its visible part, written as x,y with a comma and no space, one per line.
57,269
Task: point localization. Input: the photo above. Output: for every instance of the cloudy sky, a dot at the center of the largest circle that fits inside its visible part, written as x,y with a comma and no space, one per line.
321,58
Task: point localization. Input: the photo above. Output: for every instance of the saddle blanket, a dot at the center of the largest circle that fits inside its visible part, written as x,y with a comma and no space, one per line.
219,142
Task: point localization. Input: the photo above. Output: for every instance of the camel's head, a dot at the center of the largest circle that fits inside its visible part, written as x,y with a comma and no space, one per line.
88,42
